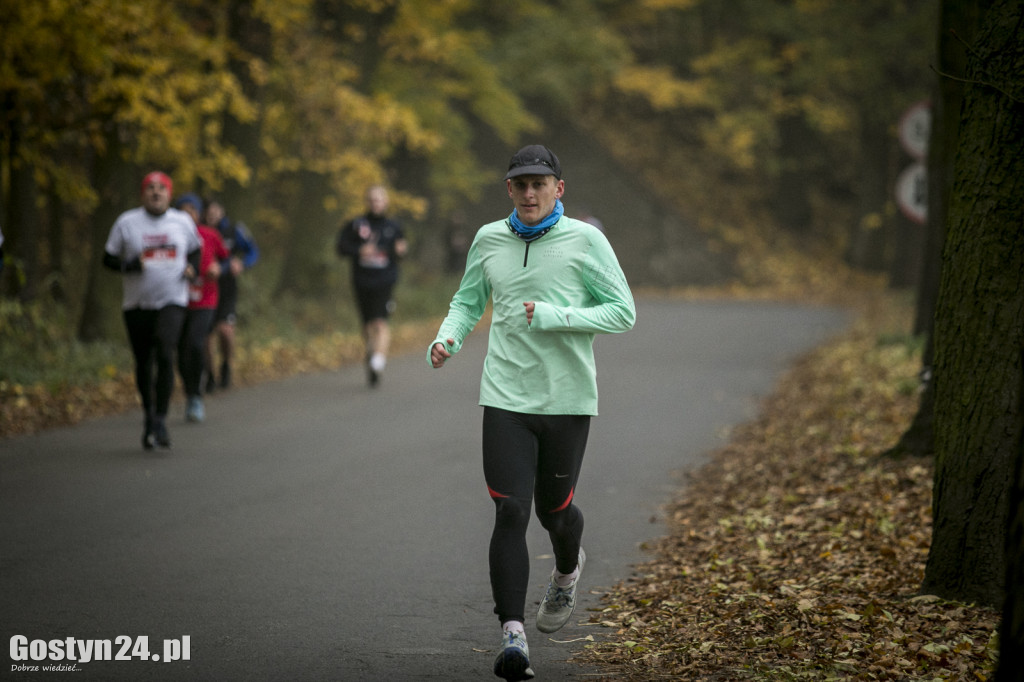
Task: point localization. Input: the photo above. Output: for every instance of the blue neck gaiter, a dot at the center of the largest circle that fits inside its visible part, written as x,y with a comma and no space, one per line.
529,233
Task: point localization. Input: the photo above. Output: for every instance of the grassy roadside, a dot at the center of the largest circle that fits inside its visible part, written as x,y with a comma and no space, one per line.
30,408
797,552
48,379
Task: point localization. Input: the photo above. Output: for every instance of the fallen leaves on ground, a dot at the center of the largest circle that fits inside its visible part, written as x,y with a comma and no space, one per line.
797,552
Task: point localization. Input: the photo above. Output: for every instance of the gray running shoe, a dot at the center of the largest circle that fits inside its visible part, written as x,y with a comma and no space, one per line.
194,409
513,661
559,602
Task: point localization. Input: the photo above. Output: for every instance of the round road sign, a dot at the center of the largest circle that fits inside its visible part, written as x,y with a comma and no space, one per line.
914,128
912,192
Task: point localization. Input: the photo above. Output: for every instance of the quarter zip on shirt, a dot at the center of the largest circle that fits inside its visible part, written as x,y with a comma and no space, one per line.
528,239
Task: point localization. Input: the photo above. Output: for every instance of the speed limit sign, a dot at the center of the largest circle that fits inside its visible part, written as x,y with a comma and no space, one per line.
912,192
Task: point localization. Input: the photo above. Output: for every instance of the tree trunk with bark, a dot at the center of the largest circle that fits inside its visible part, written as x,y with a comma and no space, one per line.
1011,630
958,22
114,179
309,250
867,240
247,30
978,323
22,231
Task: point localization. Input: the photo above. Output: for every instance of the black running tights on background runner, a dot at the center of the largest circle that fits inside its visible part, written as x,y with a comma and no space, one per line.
192,358
531,457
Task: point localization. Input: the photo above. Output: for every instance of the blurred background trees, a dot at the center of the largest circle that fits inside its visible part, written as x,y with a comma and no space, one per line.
749,142
724,140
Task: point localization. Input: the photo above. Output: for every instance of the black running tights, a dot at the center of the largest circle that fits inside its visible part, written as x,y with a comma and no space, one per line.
192,353
154,336
531,458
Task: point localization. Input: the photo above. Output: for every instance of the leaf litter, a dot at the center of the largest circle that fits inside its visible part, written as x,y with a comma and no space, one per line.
798,551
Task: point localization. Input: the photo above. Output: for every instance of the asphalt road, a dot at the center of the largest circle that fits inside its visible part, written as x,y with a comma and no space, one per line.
315,529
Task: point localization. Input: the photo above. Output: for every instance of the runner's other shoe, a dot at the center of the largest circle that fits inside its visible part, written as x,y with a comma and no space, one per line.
195,411
559,602
148,437
163,439
513,661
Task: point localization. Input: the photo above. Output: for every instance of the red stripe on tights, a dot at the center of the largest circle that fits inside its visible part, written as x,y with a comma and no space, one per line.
566,503
494,493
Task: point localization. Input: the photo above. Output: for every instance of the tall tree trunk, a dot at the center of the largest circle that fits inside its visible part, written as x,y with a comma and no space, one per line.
55,272
310,244
906,260
113,179
868,240
252,35
978,331
791,205
1011,629
24,227
958,23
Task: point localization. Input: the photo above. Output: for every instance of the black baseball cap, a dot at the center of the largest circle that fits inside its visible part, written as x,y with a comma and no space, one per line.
534,159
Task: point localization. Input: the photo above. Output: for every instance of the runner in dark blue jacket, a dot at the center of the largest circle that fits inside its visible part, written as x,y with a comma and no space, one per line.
244,254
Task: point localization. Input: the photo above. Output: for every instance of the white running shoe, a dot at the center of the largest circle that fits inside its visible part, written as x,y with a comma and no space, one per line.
559,602
513,661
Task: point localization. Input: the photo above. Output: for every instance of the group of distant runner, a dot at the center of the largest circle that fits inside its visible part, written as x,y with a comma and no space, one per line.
181,264
180,267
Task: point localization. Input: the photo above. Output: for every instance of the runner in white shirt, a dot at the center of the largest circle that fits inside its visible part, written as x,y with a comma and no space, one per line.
157,249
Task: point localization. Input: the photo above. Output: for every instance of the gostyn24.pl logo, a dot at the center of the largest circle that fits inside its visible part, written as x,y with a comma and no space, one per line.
67,653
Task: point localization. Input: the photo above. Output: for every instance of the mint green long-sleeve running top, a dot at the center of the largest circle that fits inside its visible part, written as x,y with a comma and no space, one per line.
574,278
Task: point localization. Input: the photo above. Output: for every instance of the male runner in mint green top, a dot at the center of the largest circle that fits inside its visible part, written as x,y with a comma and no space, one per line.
554,283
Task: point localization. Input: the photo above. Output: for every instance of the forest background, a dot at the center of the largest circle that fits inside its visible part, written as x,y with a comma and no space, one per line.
728,145
739,143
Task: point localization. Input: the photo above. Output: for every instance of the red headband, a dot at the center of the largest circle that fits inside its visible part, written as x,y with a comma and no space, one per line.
157,176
